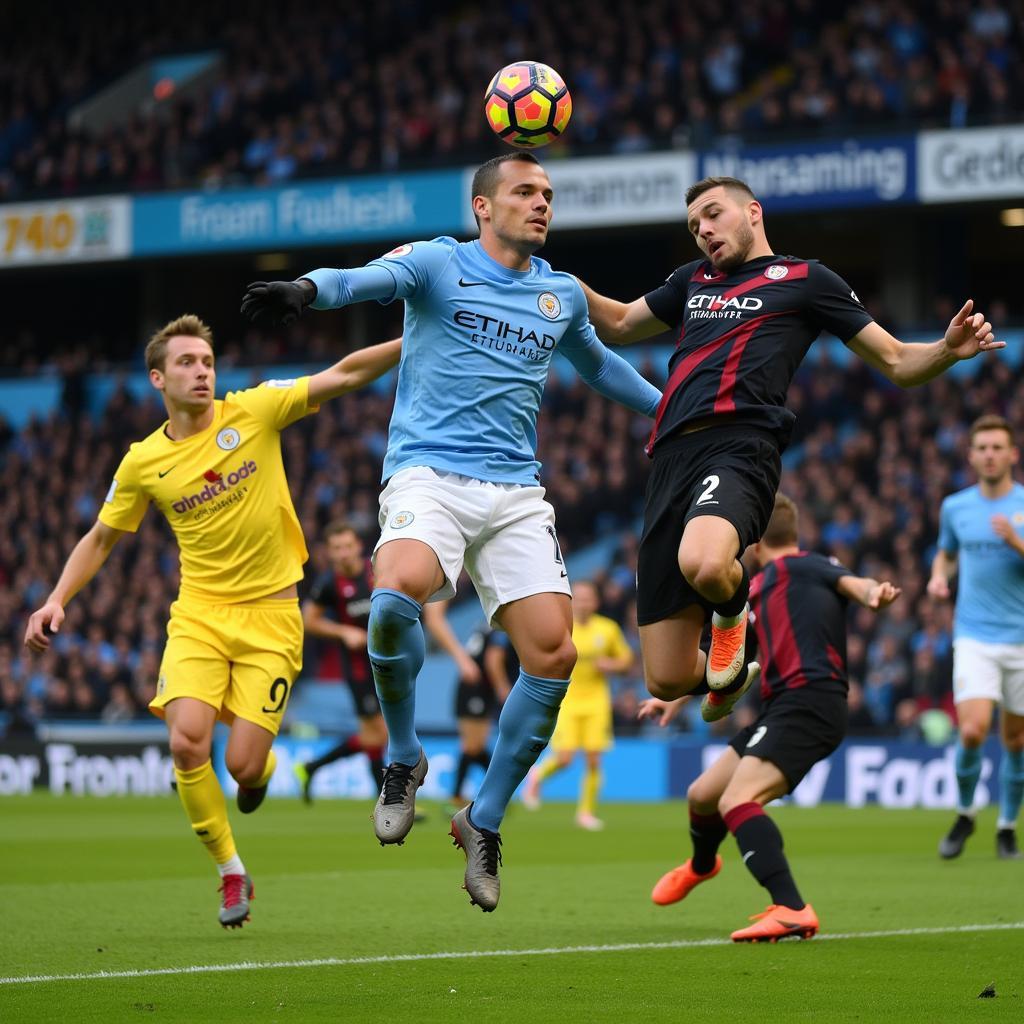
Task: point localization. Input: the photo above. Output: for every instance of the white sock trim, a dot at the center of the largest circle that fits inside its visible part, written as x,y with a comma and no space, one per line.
231,867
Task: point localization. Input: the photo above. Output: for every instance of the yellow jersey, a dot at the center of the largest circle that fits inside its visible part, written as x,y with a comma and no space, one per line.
225,494
599,637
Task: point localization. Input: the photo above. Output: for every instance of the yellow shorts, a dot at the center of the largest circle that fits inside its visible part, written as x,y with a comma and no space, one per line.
587,727
240,658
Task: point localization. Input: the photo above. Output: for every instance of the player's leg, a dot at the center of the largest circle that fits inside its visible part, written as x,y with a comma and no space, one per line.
590,787
670,647
1011,784
707,831
473,733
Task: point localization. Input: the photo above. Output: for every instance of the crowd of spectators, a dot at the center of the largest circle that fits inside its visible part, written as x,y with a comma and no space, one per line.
868,467
324,90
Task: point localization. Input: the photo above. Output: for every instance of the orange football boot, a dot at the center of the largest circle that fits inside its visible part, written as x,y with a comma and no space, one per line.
679,882
779,923
728,647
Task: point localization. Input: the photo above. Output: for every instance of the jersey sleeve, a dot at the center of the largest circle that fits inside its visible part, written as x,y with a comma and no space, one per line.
277,403
415,267
833,305
126,502
947,533
832,571
619,647
323,592
668,303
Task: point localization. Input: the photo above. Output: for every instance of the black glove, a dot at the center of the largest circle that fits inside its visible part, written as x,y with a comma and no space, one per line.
276,303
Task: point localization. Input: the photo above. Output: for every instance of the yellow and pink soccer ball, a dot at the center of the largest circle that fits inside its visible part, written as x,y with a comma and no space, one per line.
527,104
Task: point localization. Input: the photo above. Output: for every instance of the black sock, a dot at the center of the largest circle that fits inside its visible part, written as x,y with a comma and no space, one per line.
483,759
344,749
732,607
760,842
460,774
707,832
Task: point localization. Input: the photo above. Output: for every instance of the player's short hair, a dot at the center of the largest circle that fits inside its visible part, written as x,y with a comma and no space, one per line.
783,527
992,422
188,326
338,526
734,185
485,181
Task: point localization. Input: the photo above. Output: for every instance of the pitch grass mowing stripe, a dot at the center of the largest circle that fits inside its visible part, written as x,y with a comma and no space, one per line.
475,954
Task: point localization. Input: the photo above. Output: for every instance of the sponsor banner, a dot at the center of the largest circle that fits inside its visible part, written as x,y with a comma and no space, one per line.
65,231
976,163
608,191
85,768
896,775
821,175
393,207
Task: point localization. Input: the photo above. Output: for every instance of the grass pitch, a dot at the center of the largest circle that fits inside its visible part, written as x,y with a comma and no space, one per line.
343,930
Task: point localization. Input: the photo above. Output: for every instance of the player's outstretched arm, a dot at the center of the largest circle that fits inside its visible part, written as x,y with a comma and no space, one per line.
316,623
83,563
943,570
355,371
868,592
907,365
435,618
621,323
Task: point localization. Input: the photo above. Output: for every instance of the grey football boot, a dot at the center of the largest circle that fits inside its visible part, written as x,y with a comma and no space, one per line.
234,905
395,810
483,855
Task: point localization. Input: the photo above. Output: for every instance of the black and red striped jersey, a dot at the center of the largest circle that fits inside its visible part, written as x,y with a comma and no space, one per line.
800,622
742,335
346,599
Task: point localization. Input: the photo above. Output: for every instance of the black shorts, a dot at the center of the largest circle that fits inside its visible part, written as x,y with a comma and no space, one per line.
795,731
364,697
730,471
474,701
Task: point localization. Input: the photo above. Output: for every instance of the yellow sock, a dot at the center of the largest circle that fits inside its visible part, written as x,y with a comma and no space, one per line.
548,768
268,769
589,790
203,800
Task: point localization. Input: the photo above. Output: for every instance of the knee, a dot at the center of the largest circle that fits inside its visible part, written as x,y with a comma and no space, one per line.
245,766
702,797
556,661
667,686
188,749
391,614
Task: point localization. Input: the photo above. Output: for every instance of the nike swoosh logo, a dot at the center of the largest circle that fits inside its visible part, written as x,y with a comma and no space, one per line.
564,574
165,472
463,283
748,855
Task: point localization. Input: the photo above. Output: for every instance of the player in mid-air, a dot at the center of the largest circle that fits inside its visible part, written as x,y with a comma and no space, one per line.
585,718
981,540
482,322
234,639
745,317
798,606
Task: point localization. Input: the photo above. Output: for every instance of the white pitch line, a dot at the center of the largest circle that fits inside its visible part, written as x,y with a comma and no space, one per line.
476,954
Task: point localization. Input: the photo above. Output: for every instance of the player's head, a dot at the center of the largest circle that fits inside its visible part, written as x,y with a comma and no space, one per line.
585,600
179,358
512,201
725,220
344,548
992,453
782,532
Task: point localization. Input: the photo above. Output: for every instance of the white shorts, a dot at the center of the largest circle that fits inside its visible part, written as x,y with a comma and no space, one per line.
503,533
989,671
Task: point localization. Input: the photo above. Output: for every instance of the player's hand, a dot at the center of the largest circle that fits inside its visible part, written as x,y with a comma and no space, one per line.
1004,530
883,595
352,637
660,711
277,303
469,670
938,587
970,333
47,618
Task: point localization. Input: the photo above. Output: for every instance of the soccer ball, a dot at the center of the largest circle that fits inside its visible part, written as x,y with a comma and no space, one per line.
527,104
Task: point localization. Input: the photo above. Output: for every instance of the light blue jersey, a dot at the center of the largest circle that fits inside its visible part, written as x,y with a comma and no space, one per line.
478,343
990,597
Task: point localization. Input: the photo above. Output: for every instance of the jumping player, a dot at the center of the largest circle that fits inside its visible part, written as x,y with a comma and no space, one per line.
744,318
798,606
234,639
482,322
979,539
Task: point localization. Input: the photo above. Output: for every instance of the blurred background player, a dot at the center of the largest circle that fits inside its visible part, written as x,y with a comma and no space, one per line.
337,609
745,318
585,717
479,698
461,475
798,608
980,543
234,639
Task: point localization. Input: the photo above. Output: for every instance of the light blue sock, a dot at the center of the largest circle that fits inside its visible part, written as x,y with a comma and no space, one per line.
1011,787
968,771
524,728
396,648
